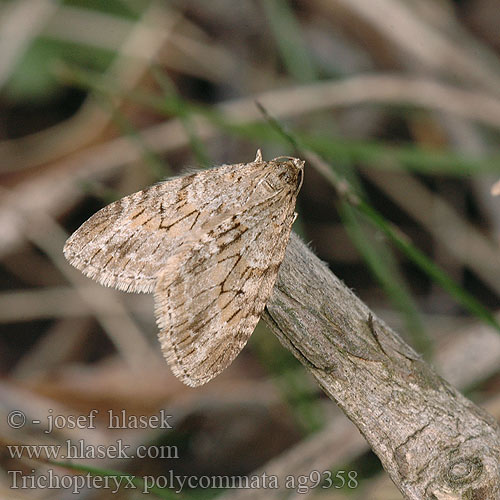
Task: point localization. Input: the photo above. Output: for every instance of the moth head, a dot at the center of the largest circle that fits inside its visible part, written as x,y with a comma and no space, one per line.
285,172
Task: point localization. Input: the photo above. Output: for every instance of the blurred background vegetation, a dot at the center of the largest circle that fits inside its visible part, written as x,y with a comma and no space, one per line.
399,99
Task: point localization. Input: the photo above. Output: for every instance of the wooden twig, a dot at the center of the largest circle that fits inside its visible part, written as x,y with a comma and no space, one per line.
433,442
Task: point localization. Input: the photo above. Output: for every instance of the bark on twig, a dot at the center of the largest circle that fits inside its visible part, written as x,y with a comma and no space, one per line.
433,442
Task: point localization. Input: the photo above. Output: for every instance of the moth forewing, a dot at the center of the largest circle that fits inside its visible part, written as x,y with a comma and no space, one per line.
208,244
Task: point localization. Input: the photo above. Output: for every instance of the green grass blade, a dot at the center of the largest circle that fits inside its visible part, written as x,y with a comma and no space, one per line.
428,267
287,33
185,116
407,157
159,168
382,264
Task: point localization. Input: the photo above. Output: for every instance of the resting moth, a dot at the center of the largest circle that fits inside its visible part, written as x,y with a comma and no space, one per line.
208,245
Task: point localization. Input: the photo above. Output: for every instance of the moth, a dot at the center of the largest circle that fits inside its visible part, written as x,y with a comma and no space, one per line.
208,245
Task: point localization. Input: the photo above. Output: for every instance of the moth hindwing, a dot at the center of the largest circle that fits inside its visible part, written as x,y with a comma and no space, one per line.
208,245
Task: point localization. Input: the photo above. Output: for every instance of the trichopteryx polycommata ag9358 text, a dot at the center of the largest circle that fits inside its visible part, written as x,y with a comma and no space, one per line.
208,245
